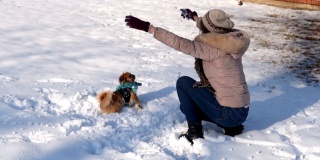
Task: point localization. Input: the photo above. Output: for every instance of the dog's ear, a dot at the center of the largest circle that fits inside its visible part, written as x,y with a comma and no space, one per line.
121,78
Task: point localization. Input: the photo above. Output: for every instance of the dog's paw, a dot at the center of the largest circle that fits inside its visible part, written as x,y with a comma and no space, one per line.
138,106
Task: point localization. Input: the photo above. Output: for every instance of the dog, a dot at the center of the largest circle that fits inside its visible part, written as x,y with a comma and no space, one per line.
125,93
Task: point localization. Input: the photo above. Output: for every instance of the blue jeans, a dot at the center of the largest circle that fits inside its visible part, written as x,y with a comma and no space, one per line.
198,103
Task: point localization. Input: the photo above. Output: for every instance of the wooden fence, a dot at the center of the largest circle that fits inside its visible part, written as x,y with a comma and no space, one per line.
294,4
313,2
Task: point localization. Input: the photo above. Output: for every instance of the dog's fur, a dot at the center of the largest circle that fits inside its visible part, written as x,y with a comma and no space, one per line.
112,101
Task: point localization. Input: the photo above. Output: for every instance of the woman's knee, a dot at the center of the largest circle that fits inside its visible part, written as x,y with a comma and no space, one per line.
184,80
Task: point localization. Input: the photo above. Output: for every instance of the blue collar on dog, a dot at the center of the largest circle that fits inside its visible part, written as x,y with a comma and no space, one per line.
126,88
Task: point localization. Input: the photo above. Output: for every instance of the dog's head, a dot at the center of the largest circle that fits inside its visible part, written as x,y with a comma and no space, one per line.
126,77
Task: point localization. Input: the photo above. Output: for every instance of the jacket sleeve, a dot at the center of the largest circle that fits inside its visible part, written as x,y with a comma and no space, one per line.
193,48
199,22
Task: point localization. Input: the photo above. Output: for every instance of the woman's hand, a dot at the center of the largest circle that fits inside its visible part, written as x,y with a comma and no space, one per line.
136,23
187,13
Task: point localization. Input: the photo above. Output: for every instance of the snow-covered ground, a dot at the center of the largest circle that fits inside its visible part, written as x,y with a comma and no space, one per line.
57,55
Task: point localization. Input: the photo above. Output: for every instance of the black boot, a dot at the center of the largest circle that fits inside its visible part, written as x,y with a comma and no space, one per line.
233,131
195,131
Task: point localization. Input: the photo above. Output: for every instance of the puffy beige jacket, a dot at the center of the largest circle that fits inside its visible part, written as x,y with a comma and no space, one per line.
222,62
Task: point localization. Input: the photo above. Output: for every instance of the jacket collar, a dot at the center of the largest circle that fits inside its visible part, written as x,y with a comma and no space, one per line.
235,42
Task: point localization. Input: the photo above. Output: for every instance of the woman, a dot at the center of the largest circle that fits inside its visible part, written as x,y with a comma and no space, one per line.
221,96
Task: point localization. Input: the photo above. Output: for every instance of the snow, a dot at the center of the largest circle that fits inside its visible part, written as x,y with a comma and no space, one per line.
56,56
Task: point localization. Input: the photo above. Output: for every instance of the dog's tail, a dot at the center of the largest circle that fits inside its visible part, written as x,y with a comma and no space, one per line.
105,98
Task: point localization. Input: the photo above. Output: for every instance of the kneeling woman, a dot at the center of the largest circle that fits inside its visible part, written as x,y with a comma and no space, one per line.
221,96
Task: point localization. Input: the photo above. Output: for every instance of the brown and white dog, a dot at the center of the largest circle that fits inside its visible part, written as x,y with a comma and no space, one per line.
113,101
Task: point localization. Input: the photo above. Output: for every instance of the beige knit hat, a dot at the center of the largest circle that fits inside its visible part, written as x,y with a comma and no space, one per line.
217,18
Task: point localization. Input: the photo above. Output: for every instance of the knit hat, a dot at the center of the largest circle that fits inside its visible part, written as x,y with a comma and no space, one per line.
217,18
